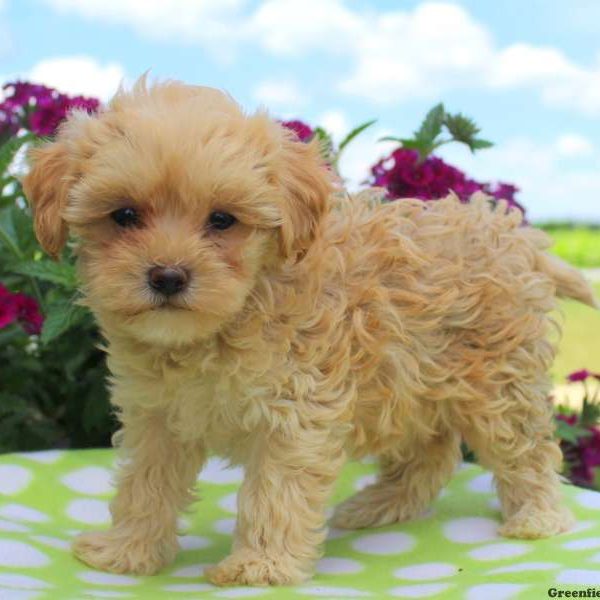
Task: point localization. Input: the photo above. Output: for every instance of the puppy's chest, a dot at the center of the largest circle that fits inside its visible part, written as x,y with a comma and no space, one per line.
219,409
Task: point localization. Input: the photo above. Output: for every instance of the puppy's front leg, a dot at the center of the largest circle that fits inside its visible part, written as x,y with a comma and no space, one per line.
155,483
281,509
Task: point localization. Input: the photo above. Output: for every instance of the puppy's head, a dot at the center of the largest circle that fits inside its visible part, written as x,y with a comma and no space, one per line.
179,202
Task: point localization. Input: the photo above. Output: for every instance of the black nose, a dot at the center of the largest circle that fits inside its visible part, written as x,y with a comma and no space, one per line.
167,280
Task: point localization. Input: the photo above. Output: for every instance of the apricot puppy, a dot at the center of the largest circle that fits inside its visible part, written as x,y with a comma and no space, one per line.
253,311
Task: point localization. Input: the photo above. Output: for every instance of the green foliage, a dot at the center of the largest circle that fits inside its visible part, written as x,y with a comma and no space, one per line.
579,245
53,390
427,140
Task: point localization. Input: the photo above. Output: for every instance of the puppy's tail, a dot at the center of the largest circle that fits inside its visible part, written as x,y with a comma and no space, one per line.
570,283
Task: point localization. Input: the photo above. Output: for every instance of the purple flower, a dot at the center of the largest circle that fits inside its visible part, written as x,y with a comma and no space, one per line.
20,308
576,376
303,131
38,108
403,175
8,308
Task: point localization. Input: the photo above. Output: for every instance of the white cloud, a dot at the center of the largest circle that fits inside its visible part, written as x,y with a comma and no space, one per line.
560,81
551,188
285,93
393,55
573,145
78,75
361,154
205,21
335,122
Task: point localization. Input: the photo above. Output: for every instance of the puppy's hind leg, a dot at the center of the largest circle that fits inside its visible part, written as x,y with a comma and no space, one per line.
518,445
404,489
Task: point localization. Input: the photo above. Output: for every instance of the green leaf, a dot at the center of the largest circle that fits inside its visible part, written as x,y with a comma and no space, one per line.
432,125
9,150
461,128
326,143
390,138
63,274
480,144
354,133
570,433
60,318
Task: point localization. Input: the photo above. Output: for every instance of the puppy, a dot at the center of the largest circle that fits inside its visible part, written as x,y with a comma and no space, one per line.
252,310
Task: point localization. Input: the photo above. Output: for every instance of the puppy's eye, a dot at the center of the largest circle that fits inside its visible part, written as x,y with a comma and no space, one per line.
221,220
125,217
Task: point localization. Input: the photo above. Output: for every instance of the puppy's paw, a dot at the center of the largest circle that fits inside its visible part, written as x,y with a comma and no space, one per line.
374,506
249,567
117,552
531,523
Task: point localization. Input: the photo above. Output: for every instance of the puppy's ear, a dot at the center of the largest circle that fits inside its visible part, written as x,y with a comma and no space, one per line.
46,187
307,184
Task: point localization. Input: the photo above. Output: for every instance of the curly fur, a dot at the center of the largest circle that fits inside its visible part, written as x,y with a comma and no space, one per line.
319,327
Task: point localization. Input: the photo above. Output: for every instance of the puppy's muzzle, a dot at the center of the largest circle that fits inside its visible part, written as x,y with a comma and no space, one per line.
168,281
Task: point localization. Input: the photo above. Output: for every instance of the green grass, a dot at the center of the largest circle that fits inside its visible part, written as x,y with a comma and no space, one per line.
580,344
577,244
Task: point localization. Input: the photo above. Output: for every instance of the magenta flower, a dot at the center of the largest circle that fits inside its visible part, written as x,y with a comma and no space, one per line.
303,131
403,175
20,308
38,108
8,308
576,376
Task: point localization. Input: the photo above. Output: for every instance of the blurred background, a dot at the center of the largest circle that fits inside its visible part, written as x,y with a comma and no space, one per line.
526,73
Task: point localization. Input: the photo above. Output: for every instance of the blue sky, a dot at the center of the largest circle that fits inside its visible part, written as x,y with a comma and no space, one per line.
527,72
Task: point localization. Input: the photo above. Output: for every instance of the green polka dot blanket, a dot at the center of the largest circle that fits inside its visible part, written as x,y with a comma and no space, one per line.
453,551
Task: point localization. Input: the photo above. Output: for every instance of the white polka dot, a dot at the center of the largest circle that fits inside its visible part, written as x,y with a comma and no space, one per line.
482,484
364,481
224,526
423,590
499,551
229,503
384,543
471,530
579,576
21,595
89,480
426,571
523,567
589,499
94,512
23,582
217,470
53,542
19,554
580,526
334,534
331,592
584,544
13,479
494,591
18,512
189,587
196,570
193,542
241,593
98,578
105,594
44,456
494,504
16,527
183,524
338,566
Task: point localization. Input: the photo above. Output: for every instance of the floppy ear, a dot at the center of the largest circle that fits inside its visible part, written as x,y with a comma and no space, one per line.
307,184
46,187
